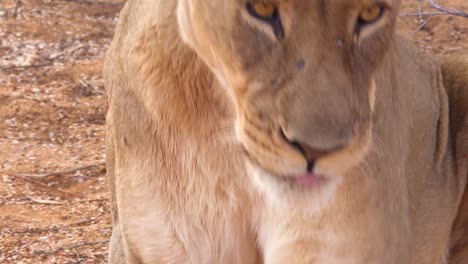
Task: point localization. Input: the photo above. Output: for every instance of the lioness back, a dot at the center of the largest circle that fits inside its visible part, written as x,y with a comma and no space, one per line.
297,132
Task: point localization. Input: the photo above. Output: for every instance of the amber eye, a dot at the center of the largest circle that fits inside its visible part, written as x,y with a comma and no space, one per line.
265,11
370,14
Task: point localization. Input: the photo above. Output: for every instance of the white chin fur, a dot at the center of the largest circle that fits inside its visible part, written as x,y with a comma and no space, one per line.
289,197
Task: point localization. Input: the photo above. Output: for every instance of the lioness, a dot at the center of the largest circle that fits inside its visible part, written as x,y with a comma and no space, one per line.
282,131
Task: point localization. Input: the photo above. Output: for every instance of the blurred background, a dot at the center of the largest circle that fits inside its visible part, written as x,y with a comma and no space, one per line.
54,205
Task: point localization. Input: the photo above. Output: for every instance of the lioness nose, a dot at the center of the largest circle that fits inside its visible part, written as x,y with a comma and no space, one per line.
311,153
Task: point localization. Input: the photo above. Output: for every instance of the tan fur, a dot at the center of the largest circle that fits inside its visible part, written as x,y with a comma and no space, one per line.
203,98
455,72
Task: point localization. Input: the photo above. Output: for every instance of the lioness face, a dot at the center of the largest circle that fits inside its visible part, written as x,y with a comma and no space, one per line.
301,75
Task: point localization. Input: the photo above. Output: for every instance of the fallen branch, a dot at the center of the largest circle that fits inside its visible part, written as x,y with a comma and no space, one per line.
74,246
55,173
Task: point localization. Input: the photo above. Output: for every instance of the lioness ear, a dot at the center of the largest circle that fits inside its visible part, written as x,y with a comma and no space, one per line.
191,31
185,22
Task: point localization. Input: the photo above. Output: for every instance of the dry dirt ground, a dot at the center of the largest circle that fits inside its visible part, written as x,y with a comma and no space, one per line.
54,205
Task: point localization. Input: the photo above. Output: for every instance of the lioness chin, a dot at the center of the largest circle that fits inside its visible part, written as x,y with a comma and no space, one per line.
282,131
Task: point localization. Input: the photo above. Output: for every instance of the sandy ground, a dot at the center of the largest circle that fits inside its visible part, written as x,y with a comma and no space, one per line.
54,204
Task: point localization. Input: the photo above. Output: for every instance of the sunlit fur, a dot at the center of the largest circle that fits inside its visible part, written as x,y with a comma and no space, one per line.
201,98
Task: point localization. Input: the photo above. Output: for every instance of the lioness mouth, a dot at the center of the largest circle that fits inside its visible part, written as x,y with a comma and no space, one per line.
309,179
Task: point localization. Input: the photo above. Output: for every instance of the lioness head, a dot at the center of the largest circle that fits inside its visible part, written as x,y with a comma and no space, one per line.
301,75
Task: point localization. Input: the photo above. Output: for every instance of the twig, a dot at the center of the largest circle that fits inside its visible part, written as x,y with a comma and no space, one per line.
74,246
55,227
26,66
420,11
423,14
65,202
449,11
91,200
65,51
85,84
422,24
15,11
55,173
76,254
82,222
45,186
42,201
90,2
